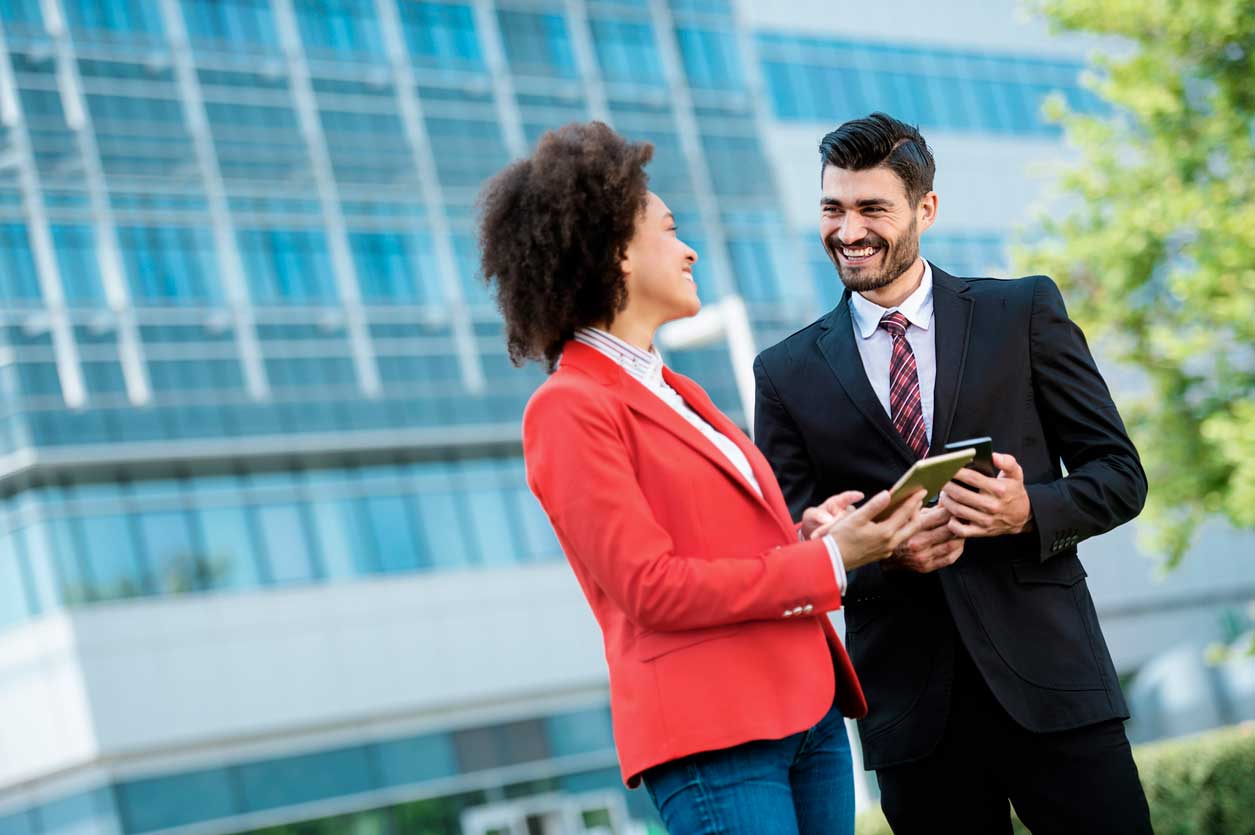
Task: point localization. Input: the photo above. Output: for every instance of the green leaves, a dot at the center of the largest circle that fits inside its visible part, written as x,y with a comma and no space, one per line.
1152,236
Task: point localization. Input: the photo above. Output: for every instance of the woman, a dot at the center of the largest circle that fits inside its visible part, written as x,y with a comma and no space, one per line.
727,682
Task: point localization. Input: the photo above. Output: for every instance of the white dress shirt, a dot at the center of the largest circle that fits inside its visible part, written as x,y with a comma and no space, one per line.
646,368
875,345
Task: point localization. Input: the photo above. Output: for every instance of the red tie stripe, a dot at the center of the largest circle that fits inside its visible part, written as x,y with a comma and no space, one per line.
905,406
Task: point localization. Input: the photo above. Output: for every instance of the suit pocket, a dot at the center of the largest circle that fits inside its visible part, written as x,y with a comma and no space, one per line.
651,645
1060,570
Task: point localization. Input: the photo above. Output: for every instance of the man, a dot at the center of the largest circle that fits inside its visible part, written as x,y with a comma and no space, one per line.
977,643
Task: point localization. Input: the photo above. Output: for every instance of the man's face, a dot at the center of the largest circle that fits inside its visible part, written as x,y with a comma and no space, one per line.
868,227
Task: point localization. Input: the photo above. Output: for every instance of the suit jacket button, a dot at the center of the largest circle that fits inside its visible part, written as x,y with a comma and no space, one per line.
788,613
808,608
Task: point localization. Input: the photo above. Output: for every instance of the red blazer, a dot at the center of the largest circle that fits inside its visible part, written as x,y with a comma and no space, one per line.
692,576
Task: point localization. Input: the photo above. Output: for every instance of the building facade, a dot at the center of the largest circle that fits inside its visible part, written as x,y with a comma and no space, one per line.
268,562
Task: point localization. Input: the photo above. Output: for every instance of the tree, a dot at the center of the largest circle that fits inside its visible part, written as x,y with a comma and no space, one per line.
1153,240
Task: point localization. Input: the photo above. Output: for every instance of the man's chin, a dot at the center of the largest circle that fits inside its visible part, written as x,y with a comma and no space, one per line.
858,281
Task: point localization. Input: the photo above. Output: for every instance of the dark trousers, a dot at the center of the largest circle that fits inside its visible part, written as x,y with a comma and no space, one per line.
1068,782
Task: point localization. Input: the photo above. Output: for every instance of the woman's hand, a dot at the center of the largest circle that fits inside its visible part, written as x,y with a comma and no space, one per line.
833,508
863,540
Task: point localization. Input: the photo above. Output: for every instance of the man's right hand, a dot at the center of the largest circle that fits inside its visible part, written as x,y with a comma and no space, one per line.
862,540
933,547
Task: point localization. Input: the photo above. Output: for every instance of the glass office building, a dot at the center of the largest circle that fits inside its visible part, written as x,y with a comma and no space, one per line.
268,562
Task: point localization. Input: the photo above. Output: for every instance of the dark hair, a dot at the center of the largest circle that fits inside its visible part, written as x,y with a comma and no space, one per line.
553,229
878,140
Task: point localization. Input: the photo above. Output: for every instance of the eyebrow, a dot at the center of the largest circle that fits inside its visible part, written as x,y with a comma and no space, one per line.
865,202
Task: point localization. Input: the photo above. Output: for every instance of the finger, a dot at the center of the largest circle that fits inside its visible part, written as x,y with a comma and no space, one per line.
1009,467
905,511
934,517
972,478
841,501
966,513
907,523
961,495
946,557
964,530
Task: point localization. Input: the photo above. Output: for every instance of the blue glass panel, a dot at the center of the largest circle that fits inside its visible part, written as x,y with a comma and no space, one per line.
442,525
34,543
287,266
346,27
626,52
580,732
117,16
304,779
285,543
755,273
414,760
168,265
230,549
339,537
18,280
710,59
15,605
190,797
491,517
441,34
386,518
386,267
115,565
90,812
231,23
537,44
76,259
66,549
18,823
22,12
175,563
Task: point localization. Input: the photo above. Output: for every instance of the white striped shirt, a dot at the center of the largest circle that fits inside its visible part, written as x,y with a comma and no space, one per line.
646,368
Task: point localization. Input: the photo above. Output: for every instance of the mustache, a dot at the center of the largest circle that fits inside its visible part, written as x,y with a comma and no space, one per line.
870,239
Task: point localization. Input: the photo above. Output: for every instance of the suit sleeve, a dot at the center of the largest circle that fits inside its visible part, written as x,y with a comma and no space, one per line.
581,470
1105,485
780,441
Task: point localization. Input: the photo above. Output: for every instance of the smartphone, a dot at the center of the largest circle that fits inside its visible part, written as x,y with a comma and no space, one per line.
929,473
983,463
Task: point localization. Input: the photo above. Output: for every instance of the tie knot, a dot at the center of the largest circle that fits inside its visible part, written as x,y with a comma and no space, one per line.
895,323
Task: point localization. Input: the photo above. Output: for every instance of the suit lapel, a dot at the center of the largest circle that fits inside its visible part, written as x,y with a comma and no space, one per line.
952,317
836,343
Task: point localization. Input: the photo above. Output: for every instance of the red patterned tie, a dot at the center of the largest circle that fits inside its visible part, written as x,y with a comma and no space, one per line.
904,401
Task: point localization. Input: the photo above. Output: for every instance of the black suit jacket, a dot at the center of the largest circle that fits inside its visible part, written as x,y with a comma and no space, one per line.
1011,365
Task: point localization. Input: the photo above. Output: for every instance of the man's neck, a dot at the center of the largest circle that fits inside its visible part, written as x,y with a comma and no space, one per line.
898,290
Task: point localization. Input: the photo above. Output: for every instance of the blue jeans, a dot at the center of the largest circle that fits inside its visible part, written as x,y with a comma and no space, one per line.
800,785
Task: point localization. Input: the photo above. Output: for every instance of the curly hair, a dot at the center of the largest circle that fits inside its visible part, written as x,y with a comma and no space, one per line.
553,229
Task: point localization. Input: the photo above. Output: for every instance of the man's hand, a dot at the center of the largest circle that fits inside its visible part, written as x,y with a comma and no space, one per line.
934,546
1000,507
833,508
861,539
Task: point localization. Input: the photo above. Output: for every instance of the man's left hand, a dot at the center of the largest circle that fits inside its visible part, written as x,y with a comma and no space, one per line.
996,507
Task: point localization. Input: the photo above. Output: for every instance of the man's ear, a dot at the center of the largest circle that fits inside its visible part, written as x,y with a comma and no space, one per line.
926,211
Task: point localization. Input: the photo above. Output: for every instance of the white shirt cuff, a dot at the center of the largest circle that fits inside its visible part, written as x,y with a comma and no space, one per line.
838,565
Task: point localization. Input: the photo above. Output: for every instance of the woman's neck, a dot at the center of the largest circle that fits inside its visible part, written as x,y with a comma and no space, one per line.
632,331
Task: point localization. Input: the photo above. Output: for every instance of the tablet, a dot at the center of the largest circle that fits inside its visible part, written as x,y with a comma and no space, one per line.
930,473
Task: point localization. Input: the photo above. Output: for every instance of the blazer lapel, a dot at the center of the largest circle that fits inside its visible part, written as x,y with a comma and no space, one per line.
701,403
836,343
647,404
952,317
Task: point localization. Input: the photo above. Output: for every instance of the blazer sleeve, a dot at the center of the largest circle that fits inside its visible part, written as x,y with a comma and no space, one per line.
581,470
781,443
1105,485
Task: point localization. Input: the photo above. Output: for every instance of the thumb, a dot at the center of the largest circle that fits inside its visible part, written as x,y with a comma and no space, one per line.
1007,464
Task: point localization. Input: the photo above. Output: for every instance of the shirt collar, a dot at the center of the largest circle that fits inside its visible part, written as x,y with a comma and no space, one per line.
917,307
645,366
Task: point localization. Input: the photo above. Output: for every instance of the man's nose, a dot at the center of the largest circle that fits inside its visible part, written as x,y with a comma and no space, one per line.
852,229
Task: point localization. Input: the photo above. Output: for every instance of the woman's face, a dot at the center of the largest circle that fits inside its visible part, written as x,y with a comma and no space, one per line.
659,267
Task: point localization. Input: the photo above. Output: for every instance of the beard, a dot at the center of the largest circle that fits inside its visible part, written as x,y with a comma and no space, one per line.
897,259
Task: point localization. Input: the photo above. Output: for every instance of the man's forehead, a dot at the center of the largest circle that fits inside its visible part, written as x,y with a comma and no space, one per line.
879,183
